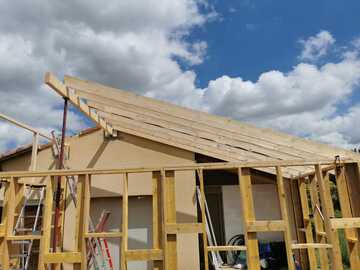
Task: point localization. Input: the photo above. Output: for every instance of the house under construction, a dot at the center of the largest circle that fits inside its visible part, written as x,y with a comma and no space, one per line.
158,186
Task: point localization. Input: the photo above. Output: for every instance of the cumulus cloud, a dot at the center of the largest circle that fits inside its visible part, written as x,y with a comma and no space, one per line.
134,46
316,46
308,101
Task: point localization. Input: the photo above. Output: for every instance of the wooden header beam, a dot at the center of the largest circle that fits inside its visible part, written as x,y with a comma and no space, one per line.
24,126
203,166
63,91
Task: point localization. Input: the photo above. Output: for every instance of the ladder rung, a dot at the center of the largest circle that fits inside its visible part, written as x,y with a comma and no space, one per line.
19,255
23,229
21,242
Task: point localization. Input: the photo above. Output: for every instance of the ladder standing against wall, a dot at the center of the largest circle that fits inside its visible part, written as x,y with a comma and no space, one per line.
26,246
97,247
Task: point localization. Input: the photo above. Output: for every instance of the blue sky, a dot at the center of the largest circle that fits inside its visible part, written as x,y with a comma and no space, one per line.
293,66
251,37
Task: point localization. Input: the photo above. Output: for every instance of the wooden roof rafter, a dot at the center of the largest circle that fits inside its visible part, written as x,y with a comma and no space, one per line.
76,100
191,130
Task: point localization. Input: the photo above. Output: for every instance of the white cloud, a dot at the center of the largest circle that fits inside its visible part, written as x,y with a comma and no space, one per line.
316,46
130,44
134,46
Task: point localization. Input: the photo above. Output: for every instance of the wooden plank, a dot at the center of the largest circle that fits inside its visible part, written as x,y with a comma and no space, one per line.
226,248
307,224
125,221
203,218
112,110
311,246
144,255
82,218
62,257
23,237
8,222
34,152
103,235
24,126
203,118
285,217
328,212
183,167
318,223
352,174
157,216
61,89
345,223
265,225
170,247
248,211
46,221
300,255
175,228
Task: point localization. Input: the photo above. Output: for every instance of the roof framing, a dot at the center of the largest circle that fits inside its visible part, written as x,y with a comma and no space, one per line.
63,91
117,110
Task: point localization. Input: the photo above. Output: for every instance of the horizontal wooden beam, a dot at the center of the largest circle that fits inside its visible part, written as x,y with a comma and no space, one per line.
345,223
24,126
62,257
265,225
103,235
144,255
183,228
62,90
225,248
185,167
310,245
23,237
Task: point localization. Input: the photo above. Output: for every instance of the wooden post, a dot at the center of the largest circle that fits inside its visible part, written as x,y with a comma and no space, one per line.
203,218
34,152
307,222
285,217
318,223
46,222
302,255
352,172
170,243
8,221
125,221
252,248
157,216
82,218
351,235
328,212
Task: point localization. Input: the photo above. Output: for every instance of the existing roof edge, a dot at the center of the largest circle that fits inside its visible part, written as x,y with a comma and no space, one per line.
24,149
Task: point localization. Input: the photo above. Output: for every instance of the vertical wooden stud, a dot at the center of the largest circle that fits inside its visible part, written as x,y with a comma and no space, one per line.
203,218
318,223
125,221
46,221
82,218
307,222
302,255
352,172
351,235
285,217
328,212
156,216
247,202
170,244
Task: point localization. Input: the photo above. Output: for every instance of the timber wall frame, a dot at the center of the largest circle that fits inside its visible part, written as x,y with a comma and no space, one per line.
165,227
